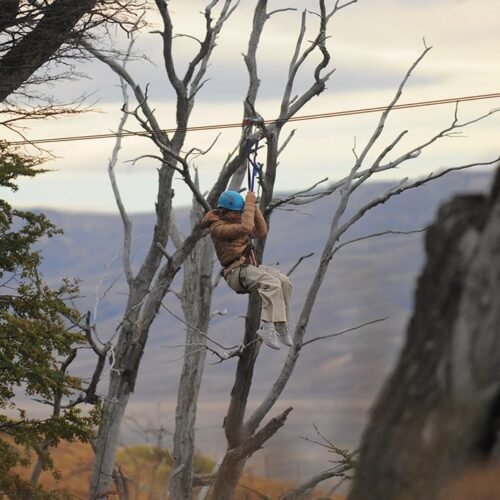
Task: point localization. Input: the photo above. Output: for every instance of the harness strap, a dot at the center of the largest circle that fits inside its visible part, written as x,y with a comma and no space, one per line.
237,269
243,287
252,164
246,258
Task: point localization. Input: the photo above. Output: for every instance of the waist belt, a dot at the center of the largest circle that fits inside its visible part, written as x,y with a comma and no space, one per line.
237,268
240,261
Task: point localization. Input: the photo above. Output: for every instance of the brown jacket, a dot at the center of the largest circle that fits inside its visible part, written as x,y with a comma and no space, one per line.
230,239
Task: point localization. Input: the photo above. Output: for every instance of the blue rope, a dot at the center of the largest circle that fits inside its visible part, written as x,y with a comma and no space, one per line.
252,165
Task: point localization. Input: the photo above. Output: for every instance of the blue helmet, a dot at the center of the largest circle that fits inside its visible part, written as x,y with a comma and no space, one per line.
231,200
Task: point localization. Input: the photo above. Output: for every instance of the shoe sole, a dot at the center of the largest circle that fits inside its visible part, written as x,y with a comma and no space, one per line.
269,344
288,344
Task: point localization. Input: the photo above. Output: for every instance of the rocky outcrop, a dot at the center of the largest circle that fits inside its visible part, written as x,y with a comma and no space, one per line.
438,413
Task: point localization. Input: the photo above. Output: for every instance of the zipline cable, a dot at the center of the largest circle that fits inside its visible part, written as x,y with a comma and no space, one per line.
221,126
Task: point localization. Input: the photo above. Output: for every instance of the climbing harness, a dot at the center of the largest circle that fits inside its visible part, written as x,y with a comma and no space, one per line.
244,289
253,169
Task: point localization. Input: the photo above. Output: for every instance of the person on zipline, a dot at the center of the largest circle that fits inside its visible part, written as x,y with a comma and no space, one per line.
232,225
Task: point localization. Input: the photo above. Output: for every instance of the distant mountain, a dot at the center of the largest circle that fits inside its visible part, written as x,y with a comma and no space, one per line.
335,380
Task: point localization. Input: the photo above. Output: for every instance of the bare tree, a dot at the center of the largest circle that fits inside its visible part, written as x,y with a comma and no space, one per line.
196,298
149,284
242,437
35,32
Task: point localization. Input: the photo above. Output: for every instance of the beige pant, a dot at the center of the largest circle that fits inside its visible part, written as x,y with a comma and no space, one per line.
273,287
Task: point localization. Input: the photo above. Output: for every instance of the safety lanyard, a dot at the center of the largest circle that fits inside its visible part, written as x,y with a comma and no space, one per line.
252,164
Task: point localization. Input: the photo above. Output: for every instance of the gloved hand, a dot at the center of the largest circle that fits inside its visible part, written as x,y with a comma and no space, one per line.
250,197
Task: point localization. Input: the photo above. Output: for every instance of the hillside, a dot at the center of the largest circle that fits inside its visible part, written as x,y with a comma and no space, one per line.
335,380
146,469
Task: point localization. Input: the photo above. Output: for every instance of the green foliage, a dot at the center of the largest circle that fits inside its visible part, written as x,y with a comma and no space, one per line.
38,337
203,464
14,165
148,467
143,456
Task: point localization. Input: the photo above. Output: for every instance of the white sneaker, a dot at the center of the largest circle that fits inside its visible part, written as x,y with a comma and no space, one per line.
283,333
268,334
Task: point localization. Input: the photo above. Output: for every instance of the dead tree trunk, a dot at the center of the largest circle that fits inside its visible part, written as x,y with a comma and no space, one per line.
439,411
196,300
233,463
243,438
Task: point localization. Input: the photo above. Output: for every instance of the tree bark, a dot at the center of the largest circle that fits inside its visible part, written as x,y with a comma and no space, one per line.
107,443
438,413
232,465
39,45
236,430
227,477
196,302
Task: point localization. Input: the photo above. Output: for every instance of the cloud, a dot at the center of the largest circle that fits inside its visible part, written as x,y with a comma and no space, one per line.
372,46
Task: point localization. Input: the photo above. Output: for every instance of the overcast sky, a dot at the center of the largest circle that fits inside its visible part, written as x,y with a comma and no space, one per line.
373,43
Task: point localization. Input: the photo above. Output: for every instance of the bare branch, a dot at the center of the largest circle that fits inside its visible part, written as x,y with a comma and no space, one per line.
289,109
167,37
297,264
100,283
381,124
186,174
313,481
387,150
286,141
294,66
89,394
405,186
127,223
175,233
344,463
321,42
182,35
292,199
374,235
446,132
347,330
233,352
142,157
237,352
163,250
213,33
354,152
140,95
199,332
218,313
363,175
202,152
338,6
251,445
289,9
